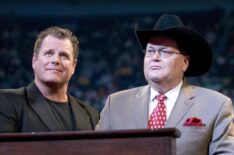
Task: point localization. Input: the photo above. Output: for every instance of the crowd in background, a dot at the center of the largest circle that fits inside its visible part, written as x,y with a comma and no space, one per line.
110,58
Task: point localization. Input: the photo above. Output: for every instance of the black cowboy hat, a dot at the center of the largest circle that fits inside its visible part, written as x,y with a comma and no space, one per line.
189,41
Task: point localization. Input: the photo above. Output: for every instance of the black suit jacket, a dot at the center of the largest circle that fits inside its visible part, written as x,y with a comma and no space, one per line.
26,110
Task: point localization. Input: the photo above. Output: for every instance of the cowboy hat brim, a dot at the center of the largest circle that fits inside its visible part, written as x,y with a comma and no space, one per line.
189,42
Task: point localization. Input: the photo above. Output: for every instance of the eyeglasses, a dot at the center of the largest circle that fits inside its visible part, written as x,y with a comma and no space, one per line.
163,53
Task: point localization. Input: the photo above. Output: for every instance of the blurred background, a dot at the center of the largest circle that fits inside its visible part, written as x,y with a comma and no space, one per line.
110,58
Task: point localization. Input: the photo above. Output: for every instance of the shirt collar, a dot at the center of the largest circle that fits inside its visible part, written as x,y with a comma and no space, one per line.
171,94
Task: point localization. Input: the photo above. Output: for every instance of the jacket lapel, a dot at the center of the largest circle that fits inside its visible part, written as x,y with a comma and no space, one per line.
81,116
182,105
141,107
41,107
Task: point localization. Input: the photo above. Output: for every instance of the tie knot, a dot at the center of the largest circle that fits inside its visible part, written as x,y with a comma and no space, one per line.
161,97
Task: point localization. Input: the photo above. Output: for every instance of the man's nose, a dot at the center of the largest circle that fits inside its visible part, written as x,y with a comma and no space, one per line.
156,55
55,59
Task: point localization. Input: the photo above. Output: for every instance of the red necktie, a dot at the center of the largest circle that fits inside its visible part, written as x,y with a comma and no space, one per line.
158,117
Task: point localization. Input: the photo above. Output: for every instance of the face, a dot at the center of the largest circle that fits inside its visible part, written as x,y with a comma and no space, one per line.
55,63
168,70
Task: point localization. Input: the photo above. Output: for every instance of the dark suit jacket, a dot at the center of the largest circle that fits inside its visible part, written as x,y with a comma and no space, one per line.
26,110
128,109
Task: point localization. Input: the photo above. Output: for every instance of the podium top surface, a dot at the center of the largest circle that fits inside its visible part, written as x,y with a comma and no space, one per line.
68,135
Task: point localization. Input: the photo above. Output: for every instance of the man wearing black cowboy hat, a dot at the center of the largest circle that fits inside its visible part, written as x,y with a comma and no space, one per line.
204,117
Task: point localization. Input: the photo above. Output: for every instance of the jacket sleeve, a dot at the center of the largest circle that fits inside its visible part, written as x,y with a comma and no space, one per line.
223,134
104,122
8,116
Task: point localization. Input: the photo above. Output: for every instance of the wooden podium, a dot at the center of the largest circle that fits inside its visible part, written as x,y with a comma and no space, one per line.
121,142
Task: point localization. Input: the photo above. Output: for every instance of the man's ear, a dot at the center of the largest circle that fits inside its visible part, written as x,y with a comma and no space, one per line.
34,57
74,65
186,62
75,61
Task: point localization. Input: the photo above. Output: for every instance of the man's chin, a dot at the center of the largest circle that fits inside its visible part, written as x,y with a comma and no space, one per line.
155,78
54,82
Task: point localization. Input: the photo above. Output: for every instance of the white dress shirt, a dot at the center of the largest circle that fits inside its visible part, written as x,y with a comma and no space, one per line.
171,95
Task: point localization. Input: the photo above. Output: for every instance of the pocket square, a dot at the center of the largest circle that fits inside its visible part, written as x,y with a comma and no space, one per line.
193,121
